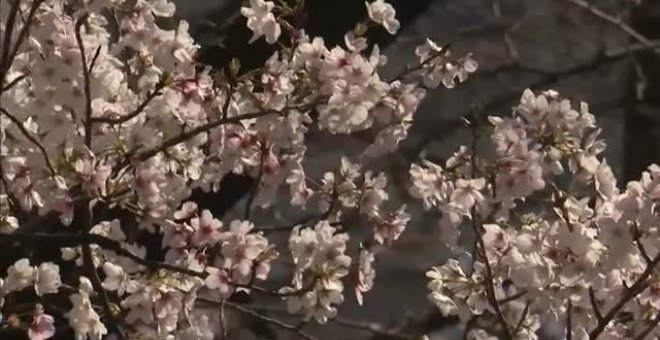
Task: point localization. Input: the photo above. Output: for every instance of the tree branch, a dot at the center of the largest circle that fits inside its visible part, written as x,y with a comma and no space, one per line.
6,39
144,155
489,280
636,234
512,297
423,63
594,304
631,292
521,321
75,240
150,96
7,58
31,138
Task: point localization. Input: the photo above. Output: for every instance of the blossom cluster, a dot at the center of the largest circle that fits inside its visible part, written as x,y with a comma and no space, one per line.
553,234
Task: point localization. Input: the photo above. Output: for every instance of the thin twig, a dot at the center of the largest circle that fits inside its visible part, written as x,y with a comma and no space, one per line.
595,11
257,185
653,324
637,47
289,227
490,290
374,328
521,321
513,297
87,88
569,320
423,63
223,321
279,323
489,279
636,234
92,63
88,263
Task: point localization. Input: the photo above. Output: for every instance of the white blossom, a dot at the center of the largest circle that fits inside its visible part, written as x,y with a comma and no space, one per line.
117,280
19,276
82,317
261,21
383,13
366,274
47,278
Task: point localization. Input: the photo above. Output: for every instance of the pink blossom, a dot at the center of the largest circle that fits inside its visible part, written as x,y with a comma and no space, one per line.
42,325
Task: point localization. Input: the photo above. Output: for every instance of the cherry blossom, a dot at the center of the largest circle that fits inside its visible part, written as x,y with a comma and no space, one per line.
383,13
320,263
218,280
117,280
366,274
82,317
438,67
47,278
42,326
261,21
206,229
19,276
244,252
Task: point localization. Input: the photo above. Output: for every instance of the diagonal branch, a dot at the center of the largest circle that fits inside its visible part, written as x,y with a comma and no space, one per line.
31,138
637,287
652,325
144,155
422,63
12,83
521,321
150,96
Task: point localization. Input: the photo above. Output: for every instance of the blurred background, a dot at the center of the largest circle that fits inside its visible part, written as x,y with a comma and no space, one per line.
604,52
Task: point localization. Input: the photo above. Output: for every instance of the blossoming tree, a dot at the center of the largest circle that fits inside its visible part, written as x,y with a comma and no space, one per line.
103,108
